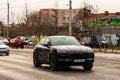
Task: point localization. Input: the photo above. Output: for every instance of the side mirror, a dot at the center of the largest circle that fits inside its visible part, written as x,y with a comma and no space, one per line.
48,44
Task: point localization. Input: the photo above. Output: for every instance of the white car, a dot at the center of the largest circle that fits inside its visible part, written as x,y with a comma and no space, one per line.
4,48
5,41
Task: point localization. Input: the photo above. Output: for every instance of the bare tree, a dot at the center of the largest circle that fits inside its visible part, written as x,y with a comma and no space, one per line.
2,29
36,22
85,12
41,23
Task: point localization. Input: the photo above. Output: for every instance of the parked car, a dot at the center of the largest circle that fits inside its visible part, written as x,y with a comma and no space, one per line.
62,51
5,41
4,48
28,42
16,42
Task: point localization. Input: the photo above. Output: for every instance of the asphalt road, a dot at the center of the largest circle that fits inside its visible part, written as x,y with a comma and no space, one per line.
19,66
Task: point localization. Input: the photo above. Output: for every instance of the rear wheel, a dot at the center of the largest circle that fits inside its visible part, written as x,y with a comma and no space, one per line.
22,47
88,66
13,46
35,61
53,63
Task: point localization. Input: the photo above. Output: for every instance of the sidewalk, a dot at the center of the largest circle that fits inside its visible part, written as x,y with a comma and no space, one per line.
103,50
107,55
115,51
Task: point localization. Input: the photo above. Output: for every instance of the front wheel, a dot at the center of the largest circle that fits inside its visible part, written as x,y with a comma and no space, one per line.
35,61
88,66
7,53
22,47
53,63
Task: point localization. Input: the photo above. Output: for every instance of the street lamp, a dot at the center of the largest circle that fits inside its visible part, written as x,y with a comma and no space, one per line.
70,17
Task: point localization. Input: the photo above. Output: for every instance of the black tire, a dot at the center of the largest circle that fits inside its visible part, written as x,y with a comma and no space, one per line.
104,45
22,47
7,53
53,63
35,61
13,46
88,66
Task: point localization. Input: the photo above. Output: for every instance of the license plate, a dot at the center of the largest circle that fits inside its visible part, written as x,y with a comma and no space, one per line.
19,43
79,60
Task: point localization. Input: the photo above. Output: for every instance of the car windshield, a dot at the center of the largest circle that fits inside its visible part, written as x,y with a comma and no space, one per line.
64,41
1,43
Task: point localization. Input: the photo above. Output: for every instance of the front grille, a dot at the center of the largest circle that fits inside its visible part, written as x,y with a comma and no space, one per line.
76,56
2,48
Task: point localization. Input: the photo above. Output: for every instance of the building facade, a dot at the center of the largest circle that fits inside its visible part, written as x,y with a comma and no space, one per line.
61,18
62,15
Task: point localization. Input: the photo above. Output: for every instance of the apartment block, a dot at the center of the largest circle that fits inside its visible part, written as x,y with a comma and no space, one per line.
61,15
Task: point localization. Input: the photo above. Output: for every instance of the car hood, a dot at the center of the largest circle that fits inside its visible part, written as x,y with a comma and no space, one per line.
72,49
4,46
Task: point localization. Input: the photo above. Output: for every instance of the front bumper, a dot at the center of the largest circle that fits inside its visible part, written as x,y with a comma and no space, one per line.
75,61
78,59
4,51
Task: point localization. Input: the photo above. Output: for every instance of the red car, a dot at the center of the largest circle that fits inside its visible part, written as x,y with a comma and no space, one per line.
16,42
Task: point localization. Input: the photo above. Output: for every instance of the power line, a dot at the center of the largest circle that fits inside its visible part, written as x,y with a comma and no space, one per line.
18,6
6,2
22,5
2,4
39,2
19,0
12,1
27,3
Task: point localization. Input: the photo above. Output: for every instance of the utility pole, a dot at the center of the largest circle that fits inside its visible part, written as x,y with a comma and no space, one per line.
27,19
70,17
56,16
8,19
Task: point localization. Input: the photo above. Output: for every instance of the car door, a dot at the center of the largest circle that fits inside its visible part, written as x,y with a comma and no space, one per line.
40,50
46,49
43,50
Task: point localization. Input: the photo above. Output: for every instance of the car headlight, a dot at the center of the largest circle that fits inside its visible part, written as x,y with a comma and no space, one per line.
58,50
90,50
91,54
7,48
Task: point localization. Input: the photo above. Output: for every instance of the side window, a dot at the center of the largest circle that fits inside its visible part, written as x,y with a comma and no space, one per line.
42,41
46,41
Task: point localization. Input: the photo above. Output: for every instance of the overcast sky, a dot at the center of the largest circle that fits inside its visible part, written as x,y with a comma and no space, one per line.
17,7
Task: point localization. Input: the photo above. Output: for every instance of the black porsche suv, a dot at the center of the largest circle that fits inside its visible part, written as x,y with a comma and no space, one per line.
62,51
